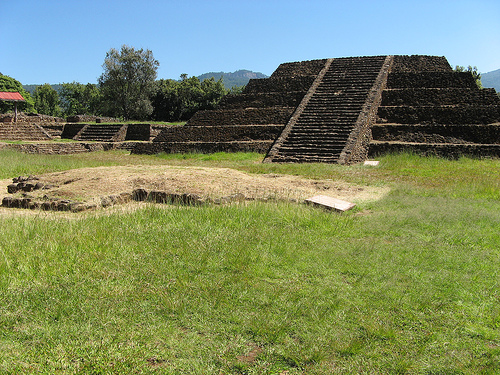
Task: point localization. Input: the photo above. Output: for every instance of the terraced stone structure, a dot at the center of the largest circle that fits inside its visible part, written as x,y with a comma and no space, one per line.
343,110
429,109
29,127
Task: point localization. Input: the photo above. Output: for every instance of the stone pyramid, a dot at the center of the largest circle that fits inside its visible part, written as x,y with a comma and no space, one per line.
342,110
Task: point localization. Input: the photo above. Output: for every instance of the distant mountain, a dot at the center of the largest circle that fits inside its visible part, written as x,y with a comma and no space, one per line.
31,88
238,78
491,79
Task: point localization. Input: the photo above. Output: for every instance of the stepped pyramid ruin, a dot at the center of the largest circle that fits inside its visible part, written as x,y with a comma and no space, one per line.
342,110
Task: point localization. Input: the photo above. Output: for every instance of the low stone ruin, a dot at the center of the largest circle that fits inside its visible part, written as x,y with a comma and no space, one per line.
23,185
90,118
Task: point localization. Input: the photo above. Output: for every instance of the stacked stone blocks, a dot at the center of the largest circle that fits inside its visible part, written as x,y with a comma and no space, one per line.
438,112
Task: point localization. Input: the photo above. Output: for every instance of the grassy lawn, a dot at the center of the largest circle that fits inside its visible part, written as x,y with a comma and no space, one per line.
409,284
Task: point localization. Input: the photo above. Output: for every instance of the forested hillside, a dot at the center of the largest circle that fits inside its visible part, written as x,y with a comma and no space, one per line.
31,88
491,79
238,78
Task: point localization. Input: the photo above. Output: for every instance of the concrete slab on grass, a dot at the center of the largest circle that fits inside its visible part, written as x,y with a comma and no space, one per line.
330,203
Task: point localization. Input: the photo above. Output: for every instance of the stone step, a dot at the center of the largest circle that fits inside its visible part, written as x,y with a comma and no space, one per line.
261,100
203,147
281,85
251,116
219,133
460,114
306,159
436,133
294,69
331,138
439,96
431,80
100,132
27,132
336,105
312,149
447,150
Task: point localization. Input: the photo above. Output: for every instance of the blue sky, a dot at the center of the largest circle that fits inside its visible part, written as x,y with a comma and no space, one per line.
49,41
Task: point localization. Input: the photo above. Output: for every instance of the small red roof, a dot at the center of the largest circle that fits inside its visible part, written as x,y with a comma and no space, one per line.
12,96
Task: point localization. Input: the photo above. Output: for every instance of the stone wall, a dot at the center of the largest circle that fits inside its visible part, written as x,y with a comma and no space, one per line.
54,130
262,100
431,80
451,151
300,68
434,97
280,84
466,114
479,134
138,132
251,116
202,147
23,131
219,133
68,148
420,63
70,130
91,118
31,118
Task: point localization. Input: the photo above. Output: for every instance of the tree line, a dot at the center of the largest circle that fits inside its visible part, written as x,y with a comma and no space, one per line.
128,89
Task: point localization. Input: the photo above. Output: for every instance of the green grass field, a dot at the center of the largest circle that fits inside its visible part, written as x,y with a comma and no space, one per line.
409,284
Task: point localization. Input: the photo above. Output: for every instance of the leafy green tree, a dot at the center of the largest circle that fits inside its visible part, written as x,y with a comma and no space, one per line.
128,82
179,100
212,93
165,100
80,99
236,90
472,70
9,84
47,100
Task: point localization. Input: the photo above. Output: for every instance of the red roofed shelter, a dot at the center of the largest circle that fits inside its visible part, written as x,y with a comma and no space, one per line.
12,97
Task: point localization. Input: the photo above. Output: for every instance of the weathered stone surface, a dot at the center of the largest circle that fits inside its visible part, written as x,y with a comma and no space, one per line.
158,197
27,187
12,188
330,203
77,207
139,195
6,201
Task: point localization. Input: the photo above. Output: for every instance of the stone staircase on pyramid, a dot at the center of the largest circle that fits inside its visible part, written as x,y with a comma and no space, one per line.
342,110
102,133
342,102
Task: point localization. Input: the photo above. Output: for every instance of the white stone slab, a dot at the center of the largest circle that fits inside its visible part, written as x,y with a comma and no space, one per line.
330,203
373,163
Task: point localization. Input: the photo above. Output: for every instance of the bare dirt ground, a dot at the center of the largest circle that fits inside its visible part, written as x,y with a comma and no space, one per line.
91,184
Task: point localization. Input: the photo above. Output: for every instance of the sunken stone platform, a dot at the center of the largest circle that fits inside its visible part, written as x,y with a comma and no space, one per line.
343,110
